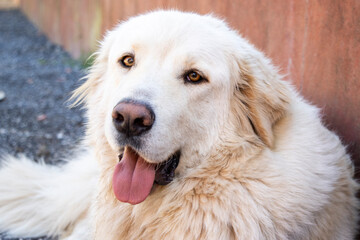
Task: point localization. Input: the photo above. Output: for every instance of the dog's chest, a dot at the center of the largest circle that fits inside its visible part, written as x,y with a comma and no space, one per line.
179,214
198,212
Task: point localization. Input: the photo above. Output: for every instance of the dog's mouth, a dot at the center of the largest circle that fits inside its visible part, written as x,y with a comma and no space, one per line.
134,177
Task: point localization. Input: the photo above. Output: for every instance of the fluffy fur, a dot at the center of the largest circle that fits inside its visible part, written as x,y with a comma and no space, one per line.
256,161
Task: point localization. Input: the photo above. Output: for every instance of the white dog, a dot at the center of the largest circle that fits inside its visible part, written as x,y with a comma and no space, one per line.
192,134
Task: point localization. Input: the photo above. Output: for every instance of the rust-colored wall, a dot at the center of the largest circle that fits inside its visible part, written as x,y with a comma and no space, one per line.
9,4
316,42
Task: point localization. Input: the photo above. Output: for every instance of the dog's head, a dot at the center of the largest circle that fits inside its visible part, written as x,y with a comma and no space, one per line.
168,87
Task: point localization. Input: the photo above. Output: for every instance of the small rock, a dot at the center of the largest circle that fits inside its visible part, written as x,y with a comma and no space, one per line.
48,136
43,151
2,95
68,70
60,135
41,117
19,149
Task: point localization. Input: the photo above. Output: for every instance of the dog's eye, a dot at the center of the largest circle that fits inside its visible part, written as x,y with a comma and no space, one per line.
193,77
127,61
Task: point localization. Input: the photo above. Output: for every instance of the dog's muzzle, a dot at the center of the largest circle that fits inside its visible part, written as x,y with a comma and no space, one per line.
134,175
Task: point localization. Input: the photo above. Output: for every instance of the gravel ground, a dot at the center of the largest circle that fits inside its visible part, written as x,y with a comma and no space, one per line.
36,77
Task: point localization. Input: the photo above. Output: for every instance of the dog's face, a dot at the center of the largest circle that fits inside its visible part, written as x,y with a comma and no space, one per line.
181,77
171,86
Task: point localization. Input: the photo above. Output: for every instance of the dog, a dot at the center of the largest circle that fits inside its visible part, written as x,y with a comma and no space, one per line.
191,134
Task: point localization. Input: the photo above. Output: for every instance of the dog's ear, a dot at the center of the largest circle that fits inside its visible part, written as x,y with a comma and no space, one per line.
261,94
95,73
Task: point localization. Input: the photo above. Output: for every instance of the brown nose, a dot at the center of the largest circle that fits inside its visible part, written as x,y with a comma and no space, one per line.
132,118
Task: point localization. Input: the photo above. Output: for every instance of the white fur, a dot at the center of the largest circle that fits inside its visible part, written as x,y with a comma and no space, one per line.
38,199
256,161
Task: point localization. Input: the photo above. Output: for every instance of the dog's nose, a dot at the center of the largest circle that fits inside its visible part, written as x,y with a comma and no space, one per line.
132,118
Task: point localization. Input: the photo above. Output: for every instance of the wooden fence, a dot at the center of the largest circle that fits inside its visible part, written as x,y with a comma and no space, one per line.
316,42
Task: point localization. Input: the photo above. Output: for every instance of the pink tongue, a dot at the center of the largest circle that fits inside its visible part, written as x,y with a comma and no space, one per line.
133,178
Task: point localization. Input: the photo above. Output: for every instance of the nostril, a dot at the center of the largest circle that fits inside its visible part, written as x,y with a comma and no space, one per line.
139,122
142,122
119,118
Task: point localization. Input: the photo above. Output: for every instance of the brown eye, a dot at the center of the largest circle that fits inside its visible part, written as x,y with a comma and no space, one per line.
193,77
127,61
